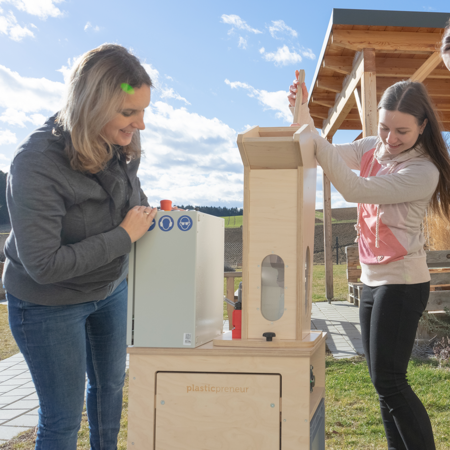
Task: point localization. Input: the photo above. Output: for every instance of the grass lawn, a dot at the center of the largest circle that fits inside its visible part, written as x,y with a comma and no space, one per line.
353,419
8,346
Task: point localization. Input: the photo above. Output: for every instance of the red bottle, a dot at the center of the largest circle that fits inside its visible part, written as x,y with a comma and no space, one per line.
237,320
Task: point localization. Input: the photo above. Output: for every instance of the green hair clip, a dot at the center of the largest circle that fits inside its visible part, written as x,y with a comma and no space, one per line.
127,88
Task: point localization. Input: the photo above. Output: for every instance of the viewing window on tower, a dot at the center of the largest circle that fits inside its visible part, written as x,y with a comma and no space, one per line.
272,287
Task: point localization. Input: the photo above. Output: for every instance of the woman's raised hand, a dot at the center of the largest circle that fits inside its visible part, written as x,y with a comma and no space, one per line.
138,221
293,93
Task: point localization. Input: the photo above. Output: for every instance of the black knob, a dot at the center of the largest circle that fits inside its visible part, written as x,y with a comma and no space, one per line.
269,336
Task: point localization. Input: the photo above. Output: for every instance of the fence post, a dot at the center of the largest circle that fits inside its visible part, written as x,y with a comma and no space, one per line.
337,250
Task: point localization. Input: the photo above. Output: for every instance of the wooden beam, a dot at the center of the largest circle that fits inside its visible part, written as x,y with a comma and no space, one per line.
427,67
388,41
340,64
333,84
346,100
369,94
357,94
327,236
386,67
436,88
318,100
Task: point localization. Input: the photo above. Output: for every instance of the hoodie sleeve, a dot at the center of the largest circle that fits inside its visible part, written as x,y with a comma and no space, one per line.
351,153
417,181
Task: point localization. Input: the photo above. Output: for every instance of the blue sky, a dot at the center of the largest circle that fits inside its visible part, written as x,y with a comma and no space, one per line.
218,67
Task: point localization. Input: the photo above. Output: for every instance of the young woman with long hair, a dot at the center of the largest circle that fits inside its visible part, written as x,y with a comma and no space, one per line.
403,171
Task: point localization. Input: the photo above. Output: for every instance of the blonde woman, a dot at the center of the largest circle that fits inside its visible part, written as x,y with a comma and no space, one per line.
76,207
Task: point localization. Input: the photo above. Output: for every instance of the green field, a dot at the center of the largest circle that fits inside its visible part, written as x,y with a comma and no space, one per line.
236,221
233,221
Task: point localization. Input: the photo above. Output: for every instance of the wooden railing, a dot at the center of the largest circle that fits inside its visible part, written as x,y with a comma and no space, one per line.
230,276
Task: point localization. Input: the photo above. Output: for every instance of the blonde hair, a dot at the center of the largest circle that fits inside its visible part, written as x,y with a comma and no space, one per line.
94,96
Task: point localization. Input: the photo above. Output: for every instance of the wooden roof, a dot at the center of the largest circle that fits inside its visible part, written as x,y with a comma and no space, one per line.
406,46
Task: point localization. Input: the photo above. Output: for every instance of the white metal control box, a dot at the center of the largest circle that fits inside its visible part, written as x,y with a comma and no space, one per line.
175,282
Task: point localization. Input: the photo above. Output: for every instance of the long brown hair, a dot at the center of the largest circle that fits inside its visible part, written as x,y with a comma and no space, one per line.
412,98
94,96
445,47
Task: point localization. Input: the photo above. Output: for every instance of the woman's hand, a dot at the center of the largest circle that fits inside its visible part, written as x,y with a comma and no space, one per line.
138,221
293,93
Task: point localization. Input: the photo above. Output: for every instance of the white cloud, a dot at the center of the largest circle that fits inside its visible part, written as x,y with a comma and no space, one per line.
66,70
283,56
278,26
237,22
19,118
242,43
29,95
170,93
189,158
154,74
276,101
7,137
262,50
39,8
308,53
10,27
89,25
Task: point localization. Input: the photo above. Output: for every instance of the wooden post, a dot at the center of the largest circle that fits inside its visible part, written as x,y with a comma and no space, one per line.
369,94
327,236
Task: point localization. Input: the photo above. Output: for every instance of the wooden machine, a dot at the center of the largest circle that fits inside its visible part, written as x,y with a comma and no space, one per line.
266,390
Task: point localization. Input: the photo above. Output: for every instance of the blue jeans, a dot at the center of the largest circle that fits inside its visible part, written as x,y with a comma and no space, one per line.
60,345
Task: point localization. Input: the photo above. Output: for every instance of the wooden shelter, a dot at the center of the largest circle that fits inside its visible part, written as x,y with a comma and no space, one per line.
364,52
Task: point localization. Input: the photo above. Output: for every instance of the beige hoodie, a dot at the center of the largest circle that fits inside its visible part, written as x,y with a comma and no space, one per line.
393,195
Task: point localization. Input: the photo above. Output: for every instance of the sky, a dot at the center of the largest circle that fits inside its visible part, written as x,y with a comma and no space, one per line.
218,69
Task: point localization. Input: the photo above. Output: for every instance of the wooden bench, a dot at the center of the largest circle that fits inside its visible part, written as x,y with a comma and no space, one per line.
353,274
438,263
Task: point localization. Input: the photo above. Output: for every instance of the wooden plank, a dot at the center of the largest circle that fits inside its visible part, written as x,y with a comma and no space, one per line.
299,98
273,217
436,88
440,278
327,238
386,41
358,101
232,275
427,67
332,84
441,287
439,258
386,66
245,252
438,300
369,93
309,341
346,100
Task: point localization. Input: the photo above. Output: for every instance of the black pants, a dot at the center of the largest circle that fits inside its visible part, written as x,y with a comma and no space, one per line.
389,317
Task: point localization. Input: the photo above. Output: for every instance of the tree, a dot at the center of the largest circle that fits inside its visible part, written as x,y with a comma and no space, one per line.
4,216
